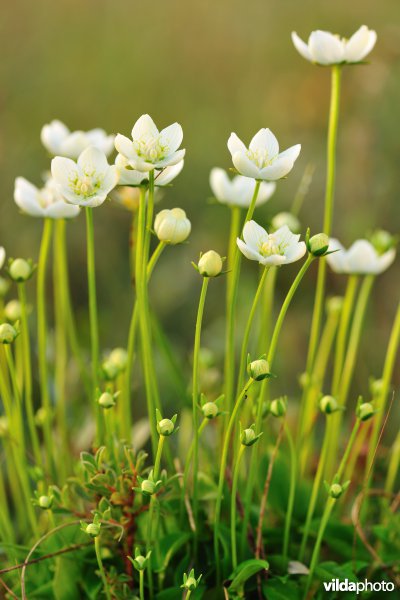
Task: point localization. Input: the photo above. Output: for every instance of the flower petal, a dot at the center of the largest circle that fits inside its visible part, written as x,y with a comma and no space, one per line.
26,197
169,173
172,137
267,189
170,160
220,185
62,210
63,170
93,160
235,144
110,179
295,252
279,168
127,176
144,128
248,252
361,258
325,48
301,46
336,260
385,261
245,166
265,140
53,134
2,256
360,44
254,235
125,146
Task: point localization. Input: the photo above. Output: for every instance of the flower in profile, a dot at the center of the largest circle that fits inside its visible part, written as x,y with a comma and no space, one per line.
172,226
149,148
360,259
45,202
60,141
239,190
86,182
325,48
128,176
262,159
2,256
279,248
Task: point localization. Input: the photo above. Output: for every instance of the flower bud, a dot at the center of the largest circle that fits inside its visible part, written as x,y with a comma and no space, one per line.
165,427
248,437
278,407
12,311
210,264
190,582
336,490
93,529
106,400
334,305
259,369
119,357
328,405
210,410
172,226
20,270
286,218
110,370
377,387
318,244
140,561
365,411
45,502
3,426
4,287
382,241
148,487
8,333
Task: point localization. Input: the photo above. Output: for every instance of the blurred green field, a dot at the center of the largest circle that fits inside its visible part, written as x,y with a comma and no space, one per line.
215,67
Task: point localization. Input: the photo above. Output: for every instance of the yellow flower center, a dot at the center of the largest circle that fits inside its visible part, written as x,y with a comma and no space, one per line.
86,185
260,158
151,150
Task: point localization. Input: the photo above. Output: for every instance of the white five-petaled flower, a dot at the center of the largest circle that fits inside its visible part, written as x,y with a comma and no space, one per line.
60,141
325,48
262,159
279,248
2,256
46,202
360,259
86,182
149,148
128,176
239,190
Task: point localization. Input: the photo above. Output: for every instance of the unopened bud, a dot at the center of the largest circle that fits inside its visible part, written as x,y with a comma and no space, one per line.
106,400
93,529
165,427
210,410
336,490
45,502
286,218
4,287
278,407
172,226
119,357
334,305
318,244
365,411
259,369
8,333
20,270
329,405
148,487
12,311
382,241
210,264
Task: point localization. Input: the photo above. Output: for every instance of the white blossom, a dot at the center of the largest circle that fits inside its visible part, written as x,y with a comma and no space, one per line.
278,248
239,190
45,202
360,259
60,141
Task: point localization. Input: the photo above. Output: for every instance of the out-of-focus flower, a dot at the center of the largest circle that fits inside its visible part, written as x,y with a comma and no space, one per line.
262,159
278,248
2,256
128,176
172,226
360,259
149,148
60,141
286,218
86,182
239,190
325,48
46,202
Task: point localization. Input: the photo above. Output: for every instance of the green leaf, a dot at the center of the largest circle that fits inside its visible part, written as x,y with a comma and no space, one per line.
277,589
244,571
67,575
169,546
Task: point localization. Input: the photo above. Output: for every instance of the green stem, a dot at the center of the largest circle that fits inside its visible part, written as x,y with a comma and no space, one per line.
18,423
188,463
141,584
292,491
42,341
233,506
101,568
393,465
153,500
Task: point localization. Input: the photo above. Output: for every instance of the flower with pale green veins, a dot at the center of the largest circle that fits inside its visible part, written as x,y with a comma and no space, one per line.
262,159
45,202
360,259
128,176
86,182
279,248
149,148
239,190
2,256
325,48
60,141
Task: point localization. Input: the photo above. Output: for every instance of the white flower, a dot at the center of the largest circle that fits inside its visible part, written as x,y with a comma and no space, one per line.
87,182
262,159
149,148
128,176
325,48
60,141
360,259
172,226
279,248
239,190
2,256
46,202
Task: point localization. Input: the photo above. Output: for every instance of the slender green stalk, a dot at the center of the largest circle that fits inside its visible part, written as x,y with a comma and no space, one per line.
188,463
153,500
189,593
233,505
30,412
195,398
232,291
267,305
328,215
302,190
94,325
18,422
42,341
292,490
394,464
246,335
103,576
141,584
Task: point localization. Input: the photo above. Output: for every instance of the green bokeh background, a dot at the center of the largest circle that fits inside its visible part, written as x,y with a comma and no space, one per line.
216,67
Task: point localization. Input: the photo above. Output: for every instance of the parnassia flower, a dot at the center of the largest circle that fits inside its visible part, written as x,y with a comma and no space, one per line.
360,259
129,176
325,48
172,226
149,148
86,182
262,159
279,248
239,190
60,141
46,202
2,256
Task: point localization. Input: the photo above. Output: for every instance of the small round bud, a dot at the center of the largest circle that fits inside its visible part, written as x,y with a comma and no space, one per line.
336,490
210,410
12,311
93,529
4,287
172,226
20,270
382,241
318,244
328,405
334,305
148,487
365,411
304,380
377,387
109,370
106,400
3,426
119,357
278,407
165,427
248,437
45,502
210,264
259,369
286,218
140,562
8,333
191,583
